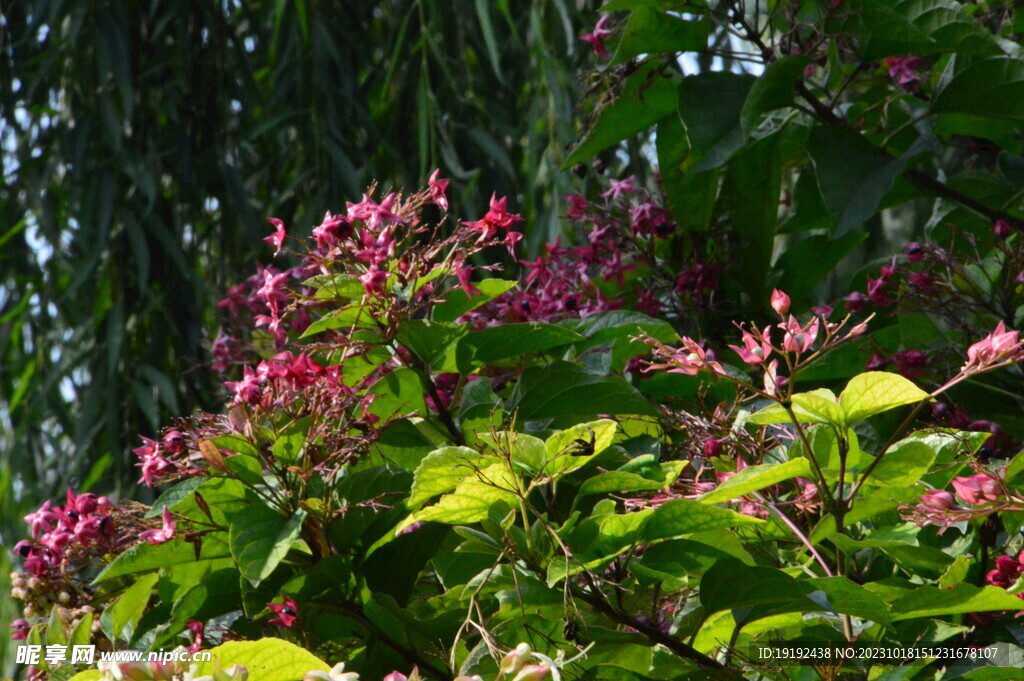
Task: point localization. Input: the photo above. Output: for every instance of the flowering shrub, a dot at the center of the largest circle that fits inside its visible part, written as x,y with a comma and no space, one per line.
422,473
649,451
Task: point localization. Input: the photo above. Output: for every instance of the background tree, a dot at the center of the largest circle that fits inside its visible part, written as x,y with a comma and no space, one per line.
144,144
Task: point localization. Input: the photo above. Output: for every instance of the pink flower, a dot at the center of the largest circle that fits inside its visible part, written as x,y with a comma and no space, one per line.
496,218
464,274
619,187
373,280
1001,229
690,360
21,629
780,302
277,238
798,338
287,613
596,39
904,70
330,231
755,348
247,390
772,380
997,346
976,489
516,659
164,534
914,252
438,189
372,213
938,500
823,310
855,301
198,629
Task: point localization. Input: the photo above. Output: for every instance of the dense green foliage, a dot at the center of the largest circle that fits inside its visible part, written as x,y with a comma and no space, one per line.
634,454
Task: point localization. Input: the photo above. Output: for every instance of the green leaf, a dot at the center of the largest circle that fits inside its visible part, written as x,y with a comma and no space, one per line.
854,175
875,392
128,608
397,394
930,601
567,389
336,287
647,98
751,190
433,342
903,464
817,406
987,87
439,472
471,500
602,327
710,104
145,557
268,659
803,264
624,481
458,303
260,538
558,446
689,197
652,32
351,317
774,89
756,478
291,441
730,585
685,516
848,598
511,340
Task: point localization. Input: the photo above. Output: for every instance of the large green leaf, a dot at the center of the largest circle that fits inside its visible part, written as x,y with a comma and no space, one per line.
397,394
567,389
689,197
433,342
458,302
558,449
647,99
993,86
685,516
511,340
268,659
260,539
875,392
757,478
710,104
730,585
849,598
854,175
930,601
145,557
441,471
471,500
774,89
920,27
652,32
903,464
128,607
751,190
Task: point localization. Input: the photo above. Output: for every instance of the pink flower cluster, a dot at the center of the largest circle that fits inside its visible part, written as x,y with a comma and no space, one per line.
60,533
1007,571
616,235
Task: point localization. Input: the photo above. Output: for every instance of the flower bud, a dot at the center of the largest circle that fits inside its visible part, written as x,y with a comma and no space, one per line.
533,672
514,660
1001,229
780,302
